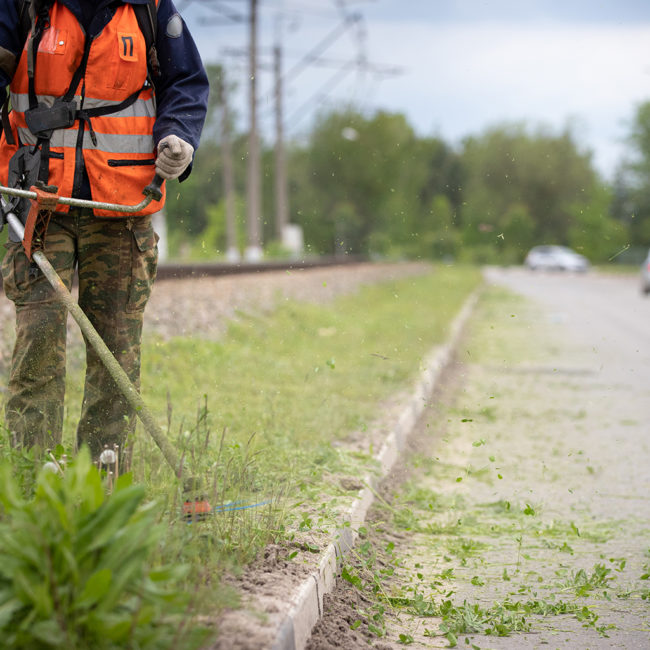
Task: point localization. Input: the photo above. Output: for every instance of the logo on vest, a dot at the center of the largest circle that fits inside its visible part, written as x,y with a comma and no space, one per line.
126,45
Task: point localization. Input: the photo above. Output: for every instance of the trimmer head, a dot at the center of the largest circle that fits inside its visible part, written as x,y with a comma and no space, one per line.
196,509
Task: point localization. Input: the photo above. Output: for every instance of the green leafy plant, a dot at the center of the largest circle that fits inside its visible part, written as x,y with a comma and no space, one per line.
75,566
583,583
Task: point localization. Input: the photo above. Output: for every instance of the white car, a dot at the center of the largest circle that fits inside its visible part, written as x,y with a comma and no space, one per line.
645,275
555,258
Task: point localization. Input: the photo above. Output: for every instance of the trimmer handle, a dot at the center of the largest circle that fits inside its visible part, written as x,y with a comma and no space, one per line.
152,192
154,189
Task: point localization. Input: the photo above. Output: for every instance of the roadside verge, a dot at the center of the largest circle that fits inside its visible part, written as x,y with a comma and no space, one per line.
306,603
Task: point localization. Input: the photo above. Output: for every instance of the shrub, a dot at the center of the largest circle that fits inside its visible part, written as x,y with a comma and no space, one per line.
75,566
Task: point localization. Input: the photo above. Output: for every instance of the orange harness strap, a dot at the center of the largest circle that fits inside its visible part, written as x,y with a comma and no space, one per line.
39,218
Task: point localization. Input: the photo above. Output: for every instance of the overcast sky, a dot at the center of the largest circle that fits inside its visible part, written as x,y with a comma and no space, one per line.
453,67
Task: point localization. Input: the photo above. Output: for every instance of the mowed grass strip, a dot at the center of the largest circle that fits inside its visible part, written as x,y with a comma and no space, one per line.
257,416
306,375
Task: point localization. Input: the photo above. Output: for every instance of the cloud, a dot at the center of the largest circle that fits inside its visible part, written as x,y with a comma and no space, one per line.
460,78
463,75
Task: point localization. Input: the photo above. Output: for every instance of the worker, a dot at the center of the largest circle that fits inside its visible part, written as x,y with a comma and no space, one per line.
96,110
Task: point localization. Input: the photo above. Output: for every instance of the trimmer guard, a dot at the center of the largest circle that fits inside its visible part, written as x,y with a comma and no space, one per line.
38,218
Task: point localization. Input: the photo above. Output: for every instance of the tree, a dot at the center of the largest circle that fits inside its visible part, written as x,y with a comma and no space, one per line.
525,183
189,204
365,184
594,232
632,184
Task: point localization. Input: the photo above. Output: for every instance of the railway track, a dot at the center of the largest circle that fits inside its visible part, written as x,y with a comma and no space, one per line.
214,269
179,271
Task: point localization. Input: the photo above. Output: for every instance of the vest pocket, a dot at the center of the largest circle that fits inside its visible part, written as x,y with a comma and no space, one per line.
120,74
144,262
128,63
131,163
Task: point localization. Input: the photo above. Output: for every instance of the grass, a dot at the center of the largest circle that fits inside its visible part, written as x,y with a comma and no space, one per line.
259,414
303,377
619,269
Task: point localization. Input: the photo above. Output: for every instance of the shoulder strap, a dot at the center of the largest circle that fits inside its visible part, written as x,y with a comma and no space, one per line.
24,26
147,17
24,19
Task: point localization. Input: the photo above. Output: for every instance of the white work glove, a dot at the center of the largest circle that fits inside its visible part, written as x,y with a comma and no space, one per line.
174,155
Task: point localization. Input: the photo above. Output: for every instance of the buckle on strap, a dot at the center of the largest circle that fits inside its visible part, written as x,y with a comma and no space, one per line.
39,217
42,119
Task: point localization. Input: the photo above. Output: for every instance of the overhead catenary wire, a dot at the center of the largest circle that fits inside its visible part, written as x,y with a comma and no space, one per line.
349,22
298,114
227,14
320,47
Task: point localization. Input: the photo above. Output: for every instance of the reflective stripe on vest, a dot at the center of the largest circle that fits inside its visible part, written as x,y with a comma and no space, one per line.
140,108
107,142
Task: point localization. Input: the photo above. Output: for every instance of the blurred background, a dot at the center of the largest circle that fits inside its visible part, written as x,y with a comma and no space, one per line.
460,130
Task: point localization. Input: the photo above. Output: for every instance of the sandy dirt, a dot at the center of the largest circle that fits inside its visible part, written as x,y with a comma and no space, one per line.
526,479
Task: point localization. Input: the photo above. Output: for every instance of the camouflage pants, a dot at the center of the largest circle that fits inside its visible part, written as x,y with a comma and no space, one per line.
116,262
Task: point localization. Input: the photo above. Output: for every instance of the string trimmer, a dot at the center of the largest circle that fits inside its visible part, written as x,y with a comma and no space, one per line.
43,202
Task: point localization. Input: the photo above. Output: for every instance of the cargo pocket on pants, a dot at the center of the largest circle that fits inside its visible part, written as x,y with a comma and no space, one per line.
22,281
144,262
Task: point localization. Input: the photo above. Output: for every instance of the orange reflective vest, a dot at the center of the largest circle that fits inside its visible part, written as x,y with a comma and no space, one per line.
115,109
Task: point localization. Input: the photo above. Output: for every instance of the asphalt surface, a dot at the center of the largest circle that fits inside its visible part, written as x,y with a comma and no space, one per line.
602,327
532,485
607,312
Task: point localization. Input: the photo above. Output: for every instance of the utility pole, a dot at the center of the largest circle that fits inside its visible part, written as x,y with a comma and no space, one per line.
281,193
232,250
253,252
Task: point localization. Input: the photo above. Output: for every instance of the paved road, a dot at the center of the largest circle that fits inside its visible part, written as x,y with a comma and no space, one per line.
603,322
606,312
533,484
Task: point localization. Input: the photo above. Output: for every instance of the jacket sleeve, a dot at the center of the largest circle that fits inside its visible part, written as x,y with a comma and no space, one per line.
182,87
9,42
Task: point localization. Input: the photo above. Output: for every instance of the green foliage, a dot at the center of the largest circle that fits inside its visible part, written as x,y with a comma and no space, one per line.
593,231
74,565
521,188
195,231
582,582
368,184
440,237
365,185
211,242
631,199
371,568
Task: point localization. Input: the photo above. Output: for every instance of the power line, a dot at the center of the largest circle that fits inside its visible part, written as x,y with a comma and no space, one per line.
227,14
299,113
320,47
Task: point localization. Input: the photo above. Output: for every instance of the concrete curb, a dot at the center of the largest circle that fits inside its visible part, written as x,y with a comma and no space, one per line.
306,605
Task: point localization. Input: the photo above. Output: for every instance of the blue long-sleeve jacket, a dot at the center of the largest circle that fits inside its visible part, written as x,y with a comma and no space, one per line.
181,88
